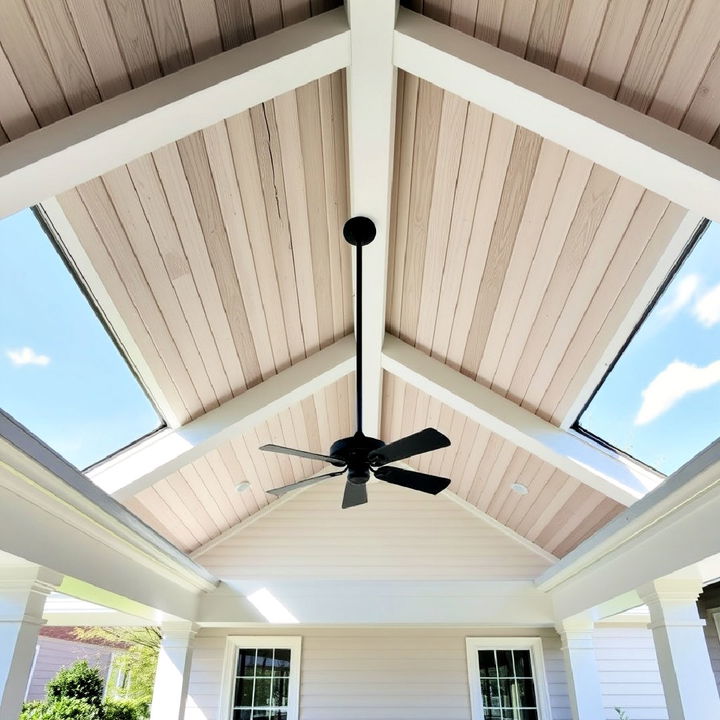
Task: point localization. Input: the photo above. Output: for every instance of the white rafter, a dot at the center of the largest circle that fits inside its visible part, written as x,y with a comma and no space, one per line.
150,460
618,478
371,83
80,147
636,146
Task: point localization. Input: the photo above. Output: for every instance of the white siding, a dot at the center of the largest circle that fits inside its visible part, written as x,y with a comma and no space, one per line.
54,653
374,674
629,673
398,535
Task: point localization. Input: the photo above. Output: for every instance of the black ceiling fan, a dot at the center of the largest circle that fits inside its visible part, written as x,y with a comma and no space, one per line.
360,455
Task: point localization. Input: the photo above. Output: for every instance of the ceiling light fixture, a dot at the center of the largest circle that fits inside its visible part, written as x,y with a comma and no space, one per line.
519,488
242,486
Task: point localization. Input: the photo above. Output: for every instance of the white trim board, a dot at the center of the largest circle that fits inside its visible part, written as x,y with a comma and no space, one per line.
75,149
150,460
497,525
619,478
636,146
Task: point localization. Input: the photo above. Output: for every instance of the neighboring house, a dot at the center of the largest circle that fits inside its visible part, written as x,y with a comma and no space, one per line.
57,648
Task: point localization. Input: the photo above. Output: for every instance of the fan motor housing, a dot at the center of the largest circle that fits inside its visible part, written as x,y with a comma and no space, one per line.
354,451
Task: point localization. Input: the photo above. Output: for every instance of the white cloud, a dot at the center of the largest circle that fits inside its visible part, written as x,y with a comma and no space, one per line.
27,356
672,384
684,292
707,308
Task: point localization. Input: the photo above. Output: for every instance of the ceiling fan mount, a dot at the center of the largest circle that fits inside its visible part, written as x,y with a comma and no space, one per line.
359,455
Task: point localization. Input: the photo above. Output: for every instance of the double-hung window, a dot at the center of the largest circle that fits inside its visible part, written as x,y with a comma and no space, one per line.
507,679
262,678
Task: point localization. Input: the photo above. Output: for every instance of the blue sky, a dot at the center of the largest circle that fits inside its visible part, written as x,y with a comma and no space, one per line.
60,374
661,402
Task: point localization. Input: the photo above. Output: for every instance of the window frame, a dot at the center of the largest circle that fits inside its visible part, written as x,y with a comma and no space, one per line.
261,642
537,662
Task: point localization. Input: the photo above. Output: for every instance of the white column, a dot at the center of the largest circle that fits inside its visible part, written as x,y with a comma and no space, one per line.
685,670
583,677
173,671
23,590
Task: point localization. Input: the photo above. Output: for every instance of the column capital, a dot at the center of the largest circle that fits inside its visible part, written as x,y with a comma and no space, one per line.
672,601
576,627
178,633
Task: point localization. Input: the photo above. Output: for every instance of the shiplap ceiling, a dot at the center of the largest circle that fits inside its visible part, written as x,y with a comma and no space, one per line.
511,259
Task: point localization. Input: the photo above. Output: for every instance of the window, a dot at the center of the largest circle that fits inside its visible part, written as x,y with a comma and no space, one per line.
261,678
658,401
61,373
507,679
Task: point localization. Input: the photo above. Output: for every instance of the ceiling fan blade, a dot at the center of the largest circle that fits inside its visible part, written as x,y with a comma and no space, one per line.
304,483
303,454
420,442
431,484
354,495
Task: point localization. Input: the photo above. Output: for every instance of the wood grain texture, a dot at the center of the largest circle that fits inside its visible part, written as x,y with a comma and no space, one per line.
557,513
200,501
533,257
230,241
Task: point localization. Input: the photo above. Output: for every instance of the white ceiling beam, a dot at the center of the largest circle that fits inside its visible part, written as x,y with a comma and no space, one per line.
80,147
619,478
670,529
371,90
640,148
148,461
614,343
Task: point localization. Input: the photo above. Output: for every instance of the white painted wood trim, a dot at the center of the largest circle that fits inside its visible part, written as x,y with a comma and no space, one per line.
632,317
637,147
528,544
75,149
533,644
75,253
371,90
615,476
150,460
234,642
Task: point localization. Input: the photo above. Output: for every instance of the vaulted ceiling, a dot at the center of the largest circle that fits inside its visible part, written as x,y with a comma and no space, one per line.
511,260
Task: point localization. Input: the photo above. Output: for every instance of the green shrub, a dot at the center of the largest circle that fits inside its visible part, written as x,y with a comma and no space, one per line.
79,681
125,710
63,709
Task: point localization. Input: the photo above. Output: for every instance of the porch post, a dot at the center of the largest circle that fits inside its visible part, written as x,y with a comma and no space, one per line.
23,590
173,671
685,670
583,677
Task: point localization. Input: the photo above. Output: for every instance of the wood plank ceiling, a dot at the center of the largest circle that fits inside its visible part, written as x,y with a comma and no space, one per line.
557,513
199,501
510,258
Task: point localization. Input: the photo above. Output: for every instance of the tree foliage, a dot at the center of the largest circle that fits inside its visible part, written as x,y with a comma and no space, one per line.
80,682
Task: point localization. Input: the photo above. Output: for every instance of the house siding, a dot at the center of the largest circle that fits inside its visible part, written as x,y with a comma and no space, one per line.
52,654
374,674
629,673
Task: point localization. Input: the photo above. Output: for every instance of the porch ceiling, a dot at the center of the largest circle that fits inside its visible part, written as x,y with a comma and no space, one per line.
511,259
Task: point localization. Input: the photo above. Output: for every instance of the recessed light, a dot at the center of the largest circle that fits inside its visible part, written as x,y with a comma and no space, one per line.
519,488
241,486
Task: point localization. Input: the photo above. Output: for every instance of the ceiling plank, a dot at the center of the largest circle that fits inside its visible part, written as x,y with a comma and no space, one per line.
371,93
637,147
105,136
618,478
157,457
